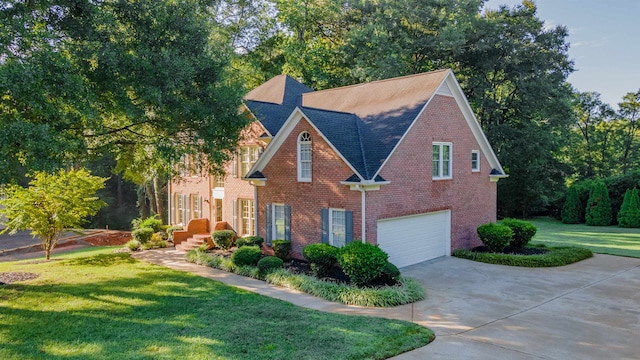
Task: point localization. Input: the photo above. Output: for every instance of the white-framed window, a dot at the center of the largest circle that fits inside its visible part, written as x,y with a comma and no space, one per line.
441,160
247,220
248,156
218,182
183,209
475,160
196,206
278,222
304,157
337,226
218,209
190,165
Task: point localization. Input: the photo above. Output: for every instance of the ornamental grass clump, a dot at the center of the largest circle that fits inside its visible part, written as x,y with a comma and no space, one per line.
362,262
321,257
494,236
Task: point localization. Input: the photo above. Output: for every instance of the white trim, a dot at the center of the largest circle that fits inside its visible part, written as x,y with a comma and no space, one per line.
440,175
330,230
301,142
284,133
477,167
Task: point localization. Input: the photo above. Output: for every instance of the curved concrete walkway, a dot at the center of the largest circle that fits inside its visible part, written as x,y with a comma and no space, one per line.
588,310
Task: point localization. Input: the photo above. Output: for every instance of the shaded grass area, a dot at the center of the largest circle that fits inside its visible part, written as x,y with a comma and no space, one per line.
556,256
611,240
405,292
110,306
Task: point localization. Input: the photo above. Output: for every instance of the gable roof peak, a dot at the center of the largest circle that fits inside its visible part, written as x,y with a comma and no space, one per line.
278,90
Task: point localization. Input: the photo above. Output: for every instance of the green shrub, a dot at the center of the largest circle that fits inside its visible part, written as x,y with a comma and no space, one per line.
523,231
153,222
629,214
133,245
598,211
171,230
362,262
223,238
142,235
389,273
158,237
321,257
281,248
269,263
494,236
572,208
249,241
246,255
148,245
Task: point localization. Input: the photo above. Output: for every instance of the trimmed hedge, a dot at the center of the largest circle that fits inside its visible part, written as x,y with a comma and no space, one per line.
321,257
494,236
269,263
523,232
281,248
223,238
247,255
249,241
362,262
557,256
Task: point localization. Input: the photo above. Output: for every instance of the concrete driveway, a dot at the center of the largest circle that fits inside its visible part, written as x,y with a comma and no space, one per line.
588,310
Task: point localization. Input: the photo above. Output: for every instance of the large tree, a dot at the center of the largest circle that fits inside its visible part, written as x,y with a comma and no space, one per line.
84,78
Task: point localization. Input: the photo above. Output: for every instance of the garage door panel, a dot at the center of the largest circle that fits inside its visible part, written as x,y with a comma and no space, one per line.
413,239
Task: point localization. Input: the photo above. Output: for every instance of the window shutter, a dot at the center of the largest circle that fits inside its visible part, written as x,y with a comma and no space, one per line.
235,215
234,164
348,222
324,221
268,226
287,222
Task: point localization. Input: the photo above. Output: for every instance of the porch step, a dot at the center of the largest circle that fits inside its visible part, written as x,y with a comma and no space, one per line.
193,242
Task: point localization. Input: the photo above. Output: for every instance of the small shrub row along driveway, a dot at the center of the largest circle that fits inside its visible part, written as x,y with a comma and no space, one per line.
599,239
110,306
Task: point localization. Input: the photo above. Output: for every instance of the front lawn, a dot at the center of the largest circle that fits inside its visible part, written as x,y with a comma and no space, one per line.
110,306
599,239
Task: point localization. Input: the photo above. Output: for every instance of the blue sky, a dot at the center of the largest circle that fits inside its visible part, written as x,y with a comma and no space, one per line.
605,42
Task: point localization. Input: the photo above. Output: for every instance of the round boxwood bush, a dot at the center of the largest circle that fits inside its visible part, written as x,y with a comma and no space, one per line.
495,237
249,241
223,238
321,257
269,263
142,235
281,248
523,231
362,262
247,255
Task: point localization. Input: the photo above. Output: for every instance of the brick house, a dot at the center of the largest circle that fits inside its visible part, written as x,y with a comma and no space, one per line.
401,163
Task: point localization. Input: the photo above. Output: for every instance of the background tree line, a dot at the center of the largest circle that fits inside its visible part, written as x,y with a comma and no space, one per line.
131,86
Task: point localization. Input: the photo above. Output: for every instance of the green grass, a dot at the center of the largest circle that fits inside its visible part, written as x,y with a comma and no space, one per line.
110,306
557,256
599,239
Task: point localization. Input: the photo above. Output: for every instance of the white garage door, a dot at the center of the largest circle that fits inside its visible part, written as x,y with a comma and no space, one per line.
412,239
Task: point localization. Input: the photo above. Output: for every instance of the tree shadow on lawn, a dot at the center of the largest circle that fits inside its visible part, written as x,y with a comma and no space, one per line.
160,313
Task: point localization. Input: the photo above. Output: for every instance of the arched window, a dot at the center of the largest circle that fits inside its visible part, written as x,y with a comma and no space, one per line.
304,156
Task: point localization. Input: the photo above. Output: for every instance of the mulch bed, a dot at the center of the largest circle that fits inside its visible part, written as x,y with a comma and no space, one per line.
11,277
511,251
110,238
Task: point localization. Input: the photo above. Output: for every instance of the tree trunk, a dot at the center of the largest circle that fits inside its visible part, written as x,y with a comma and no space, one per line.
157,188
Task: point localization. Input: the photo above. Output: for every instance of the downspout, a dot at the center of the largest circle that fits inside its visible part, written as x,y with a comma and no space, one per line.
255,210
363,212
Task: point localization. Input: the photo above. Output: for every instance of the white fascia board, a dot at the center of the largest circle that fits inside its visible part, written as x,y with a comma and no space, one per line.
473,123
284,133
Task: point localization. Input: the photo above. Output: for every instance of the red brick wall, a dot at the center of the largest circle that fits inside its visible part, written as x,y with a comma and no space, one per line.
307,198
470,196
